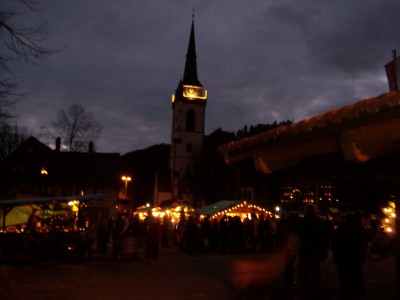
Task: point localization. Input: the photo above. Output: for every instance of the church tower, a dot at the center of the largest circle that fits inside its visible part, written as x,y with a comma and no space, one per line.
188,118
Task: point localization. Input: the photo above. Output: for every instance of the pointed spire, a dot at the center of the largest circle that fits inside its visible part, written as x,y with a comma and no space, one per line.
190,73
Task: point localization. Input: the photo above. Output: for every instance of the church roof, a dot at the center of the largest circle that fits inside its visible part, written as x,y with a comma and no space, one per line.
190,72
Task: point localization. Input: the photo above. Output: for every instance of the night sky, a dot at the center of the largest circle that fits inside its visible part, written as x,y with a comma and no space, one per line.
261,61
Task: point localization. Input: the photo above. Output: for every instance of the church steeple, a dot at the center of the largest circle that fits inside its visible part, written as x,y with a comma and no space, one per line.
190,73
190,87
188,119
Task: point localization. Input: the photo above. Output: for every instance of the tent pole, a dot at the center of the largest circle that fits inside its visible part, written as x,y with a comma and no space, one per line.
4,218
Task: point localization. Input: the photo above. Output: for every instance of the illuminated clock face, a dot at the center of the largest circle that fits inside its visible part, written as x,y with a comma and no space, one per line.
191,91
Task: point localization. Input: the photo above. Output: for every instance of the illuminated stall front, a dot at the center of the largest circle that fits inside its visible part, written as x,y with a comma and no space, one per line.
232,208
43,228
173,211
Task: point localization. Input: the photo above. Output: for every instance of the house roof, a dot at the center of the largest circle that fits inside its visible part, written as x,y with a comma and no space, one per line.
89,168
85,169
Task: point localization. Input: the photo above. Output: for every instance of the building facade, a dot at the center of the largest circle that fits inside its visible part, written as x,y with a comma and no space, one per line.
36,171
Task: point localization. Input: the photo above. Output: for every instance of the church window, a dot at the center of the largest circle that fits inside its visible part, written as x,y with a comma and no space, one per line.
190,118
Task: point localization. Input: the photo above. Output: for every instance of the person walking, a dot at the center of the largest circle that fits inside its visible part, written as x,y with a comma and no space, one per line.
136,231
120,229
33,222
349,248
314,235
223,234
102,233
153,236
90,237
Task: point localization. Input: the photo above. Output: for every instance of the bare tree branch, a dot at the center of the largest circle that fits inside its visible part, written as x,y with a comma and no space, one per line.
16,43
76,127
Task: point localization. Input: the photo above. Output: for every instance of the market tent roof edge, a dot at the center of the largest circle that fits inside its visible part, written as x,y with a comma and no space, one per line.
15,202
360,132
226,206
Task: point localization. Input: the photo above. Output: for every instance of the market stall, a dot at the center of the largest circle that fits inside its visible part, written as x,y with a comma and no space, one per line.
42,228
241,208
172,209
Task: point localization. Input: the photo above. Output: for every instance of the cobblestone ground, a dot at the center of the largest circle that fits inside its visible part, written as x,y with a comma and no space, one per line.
176,275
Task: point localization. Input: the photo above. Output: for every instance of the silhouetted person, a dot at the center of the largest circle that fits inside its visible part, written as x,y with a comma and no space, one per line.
136,231
32,224
165,232
288,245
314,236
223,234
349,253
180,231
90,237
238,242
381,243
270,233
250,230
102,233
214,241
153,236
205,235
192,235
359,218
120,229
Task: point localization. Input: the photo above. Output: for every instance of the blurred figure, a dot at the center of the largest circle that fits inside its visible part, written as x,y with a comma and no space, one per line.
136,230
192,235
102,233
120,229
381,243
165,232
251,277
90,237
205,235
359,219
180,231
349,253
314,236
238,239
153,236
261,232
33,224
289,245
214,239
223,234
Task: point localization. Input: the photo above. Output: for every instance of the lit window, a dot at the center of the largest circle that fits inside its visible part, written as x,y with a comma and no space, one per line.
43,171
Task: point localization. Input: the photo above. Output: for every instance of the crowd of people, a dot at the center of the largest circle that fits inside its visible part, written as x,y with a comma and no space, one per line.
305,241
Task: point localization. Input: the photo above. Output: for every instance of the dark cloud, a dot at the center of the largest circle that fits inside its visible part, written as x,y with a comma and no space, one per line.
261,62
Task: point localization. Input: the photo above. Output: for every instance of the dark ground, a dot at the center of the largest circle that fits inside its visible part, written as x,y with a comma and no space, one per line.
175,275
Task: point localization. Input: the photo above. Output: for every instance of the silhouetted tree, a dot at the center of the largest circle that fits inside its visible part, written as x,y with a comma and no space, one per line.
17,42
11,136
75,127
256,129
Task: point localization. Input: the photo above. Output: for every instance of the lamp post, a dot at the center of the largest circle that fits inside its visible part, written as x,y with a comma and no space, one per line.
126,179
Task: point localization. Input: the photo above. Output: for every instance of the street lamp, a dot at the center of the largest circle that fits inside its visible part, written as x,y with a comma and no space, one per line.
126,179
